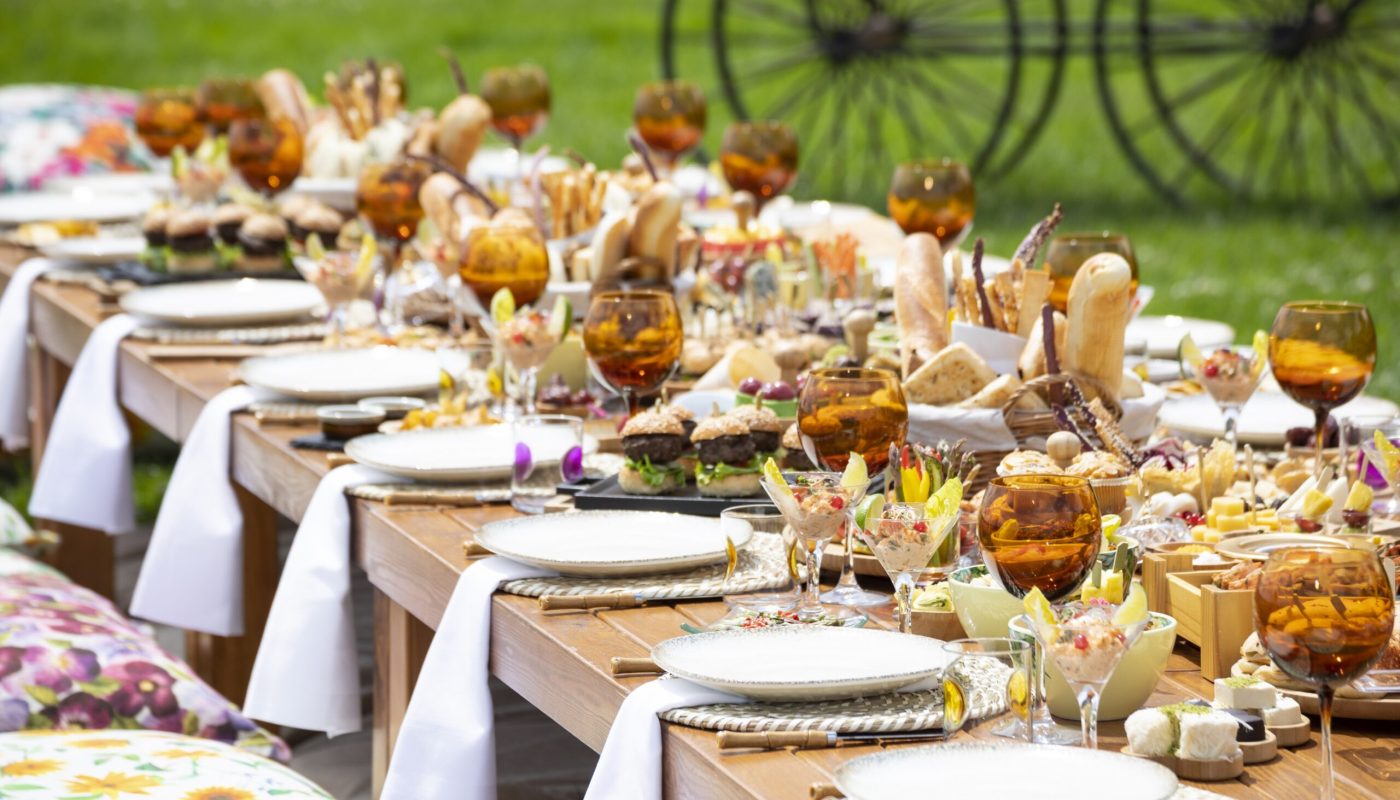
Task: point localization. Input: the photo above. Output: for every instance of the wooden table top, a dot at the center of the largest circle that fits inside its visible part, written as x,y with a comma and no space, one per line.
559,661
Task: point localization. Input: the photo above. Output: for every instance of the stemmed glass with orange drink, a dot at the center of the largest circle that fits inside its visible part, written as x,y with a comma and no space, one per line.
934,197
759,158
670,118
633,340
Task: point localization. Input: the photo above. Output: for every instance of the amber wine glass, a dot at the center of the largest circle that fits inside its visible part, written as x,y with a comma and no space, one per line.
934,197
848,410
670,118
519,100
1322,354
759,157
266,152
1067,253
167,118
386,195
1324,615
222,101
511,257
633,340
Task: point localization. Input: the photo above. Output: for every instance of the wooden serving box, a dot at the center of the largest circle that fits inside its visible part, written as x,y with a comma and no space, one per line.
1215,620
938,625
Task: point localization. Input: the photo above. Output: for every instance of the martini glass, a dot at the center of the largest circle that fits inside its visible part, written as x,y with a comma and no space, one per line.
1229,374
1385,460
903,539
816,506
1087,646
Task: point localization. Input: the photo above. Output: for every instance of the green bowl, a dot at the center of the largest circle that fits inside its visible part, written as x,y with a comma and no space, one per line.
983,611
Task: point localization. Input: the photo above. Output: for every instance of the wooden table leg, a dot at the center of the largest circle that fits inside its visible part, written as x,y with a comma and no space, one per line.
400,644
226,662
47,377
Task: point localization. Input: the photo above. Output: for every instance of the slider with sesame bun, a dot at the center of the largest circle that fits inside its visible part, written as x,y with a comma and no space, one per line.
687,461
765,428
728,466
652,441
795,457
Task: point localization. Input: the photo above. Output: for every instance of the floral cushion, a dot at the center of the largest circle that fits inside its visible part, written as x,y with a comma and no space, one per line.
139,765
69,659
48,130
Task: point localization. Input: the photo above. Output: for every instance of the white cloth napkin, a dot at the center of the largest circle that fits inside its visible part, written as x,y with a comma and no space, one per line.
305,674
85,477
192,575
629,768
446,748
14,351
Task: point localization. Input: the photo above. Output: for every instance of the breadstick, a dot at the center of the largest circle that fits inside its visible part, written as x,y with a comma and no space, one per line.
992,313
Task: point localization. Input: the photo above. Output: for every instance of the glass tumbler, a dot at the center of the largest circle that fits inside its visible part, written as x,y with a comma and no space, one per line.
766,531
548,452
978,671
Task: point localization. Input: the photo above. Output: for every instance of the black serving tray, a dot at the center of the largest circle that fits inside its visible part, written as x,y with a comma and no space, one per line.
606,495
141,274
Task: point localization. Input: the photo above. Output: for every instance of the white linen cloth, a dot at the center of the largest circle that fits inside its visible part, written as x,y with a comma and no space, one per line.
446,748
85,477
629,768
192,575
14,352
305,674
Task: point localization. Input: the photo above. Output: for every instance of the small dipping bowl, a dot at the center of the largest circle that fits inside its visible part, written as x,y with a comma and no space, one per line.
347,422
393,407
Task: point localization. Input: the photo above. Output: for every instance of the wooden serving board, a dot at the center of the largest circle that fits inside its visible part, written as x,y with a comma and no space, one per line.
1195,769
1383,708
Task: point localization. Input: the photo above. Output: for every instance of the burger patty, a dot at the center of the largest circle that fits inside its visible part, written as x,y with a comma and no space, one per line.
197,243
659,447
228,232
797,461
155,238
737,450
262,247
766,441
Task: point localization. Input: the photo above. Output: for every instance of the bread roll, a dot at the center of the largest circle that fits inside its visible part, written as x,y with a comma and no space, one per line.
954,374
609,248
283,96
996,393
655,228
1032,361
920,301
1100,301
460,129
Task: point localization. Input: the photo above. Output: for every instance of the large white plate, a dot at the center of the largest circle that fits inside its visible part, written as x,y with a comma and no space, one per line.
328,376
112,183
1003,770
1263,421
334,192
247,301
453,455
95,249
1163,334
796,663
18,209
610,543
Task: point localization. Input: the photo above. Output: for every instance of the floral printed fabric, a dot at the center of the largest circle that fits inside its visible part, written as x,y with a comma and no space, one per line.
139,765
14,530
70,660
50,130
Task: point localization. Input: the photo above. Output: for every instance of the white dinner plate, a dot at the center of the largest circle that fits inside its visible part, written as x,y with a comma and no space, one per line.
793,216
496,164
202,304
329,376
454,455
1003,770
611,543
1163,334
95,249
799,663
112,183
24,207
1263,421
335,192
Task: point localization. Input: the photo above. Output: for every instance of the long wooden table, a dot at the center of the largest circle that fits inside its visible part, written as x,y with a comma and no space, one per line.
557,661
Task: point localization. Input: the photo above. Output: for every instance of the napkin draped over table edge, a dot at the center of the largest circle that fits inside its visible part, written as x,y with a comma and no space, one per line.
14,353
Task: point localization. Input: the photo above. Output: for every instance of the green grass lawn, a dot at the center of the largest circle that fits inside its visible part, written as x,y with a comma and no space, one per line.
1217,259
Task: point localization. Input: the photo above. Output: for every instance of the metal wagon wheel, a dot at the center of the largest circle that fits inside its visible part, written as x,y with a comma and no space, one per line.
1270,99
866,83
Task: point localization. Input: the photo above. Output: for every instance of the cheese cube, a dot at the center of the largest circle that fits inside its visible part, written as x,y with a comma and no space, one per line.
1198,532
1227,505
1211,516
1227,523
1266,518
1285,712
1150,732
1244,692
1208,736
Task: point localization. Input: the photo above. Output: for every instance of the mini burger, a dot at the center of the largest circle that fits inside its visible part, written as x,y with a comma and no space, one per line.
687,461
228,219
728,464
795,458
321,220
153,226
191,246
263,239
652,441
764,427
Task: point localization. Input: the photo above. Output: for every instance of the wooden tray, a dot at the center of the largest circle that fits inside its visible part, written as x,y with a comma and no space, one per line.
865,564
1259,752
1292,735
1194,769
1384,708
1216,620
938,625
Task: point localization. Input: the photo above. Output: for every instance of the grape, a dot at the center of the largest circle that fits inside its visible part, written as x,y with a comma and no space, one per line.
750,386
777,390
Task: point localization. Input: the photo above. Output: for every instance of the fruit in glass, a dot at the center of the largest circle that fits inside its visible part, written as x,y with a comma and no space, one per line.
670,117
1068,252
934,197
168,118
633,340
386,195
506,256
267,153
759,158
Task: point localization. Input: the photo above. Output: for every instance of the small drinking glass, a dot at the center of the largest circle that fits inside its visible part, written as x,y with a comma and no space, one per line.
548,452
768,529
342,277
1001,662
934,197
1068,252
464,370
1377,465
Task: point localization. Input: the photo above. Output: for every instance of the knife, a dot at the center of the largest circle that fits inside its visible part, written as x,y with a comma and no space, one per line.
816,740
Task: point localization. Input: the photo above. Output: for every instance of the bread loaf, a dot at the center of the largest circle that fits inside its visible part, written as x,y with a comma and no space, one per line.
461,127
954,374
609,248
656,226
920,301
1100,300
1032,361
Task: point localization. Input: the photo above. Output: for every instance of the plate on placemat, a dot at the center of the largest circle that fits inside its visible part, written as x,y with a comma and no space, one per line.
1163,334
796,663
1258,546
598,543
112,183
329,376
95,249
452,455
1003,770
22,207
248,301
1264,420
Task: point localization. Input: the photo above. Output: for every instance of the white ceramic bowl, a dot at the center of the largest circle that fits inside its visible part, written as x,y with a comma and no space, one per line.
1132,683
983,611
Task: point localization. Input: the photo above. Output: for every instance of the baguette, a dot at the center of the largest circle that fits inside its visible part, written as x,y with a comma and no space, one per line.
609,248
461,127
920,301
1100,301
655,226
1032,361
283,96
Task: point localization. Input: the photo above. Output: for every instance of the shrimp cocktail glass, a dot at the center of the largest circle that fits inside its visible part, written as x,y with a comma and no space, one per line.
903,537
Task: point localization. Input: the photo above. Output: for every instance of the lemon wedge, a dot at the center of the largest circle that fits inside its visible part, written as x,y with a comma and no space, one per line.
869,511
561,317
856,476
775,476
1041,614
1111,523
1190,356
1134,609
1390,454
1261,352
946,501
